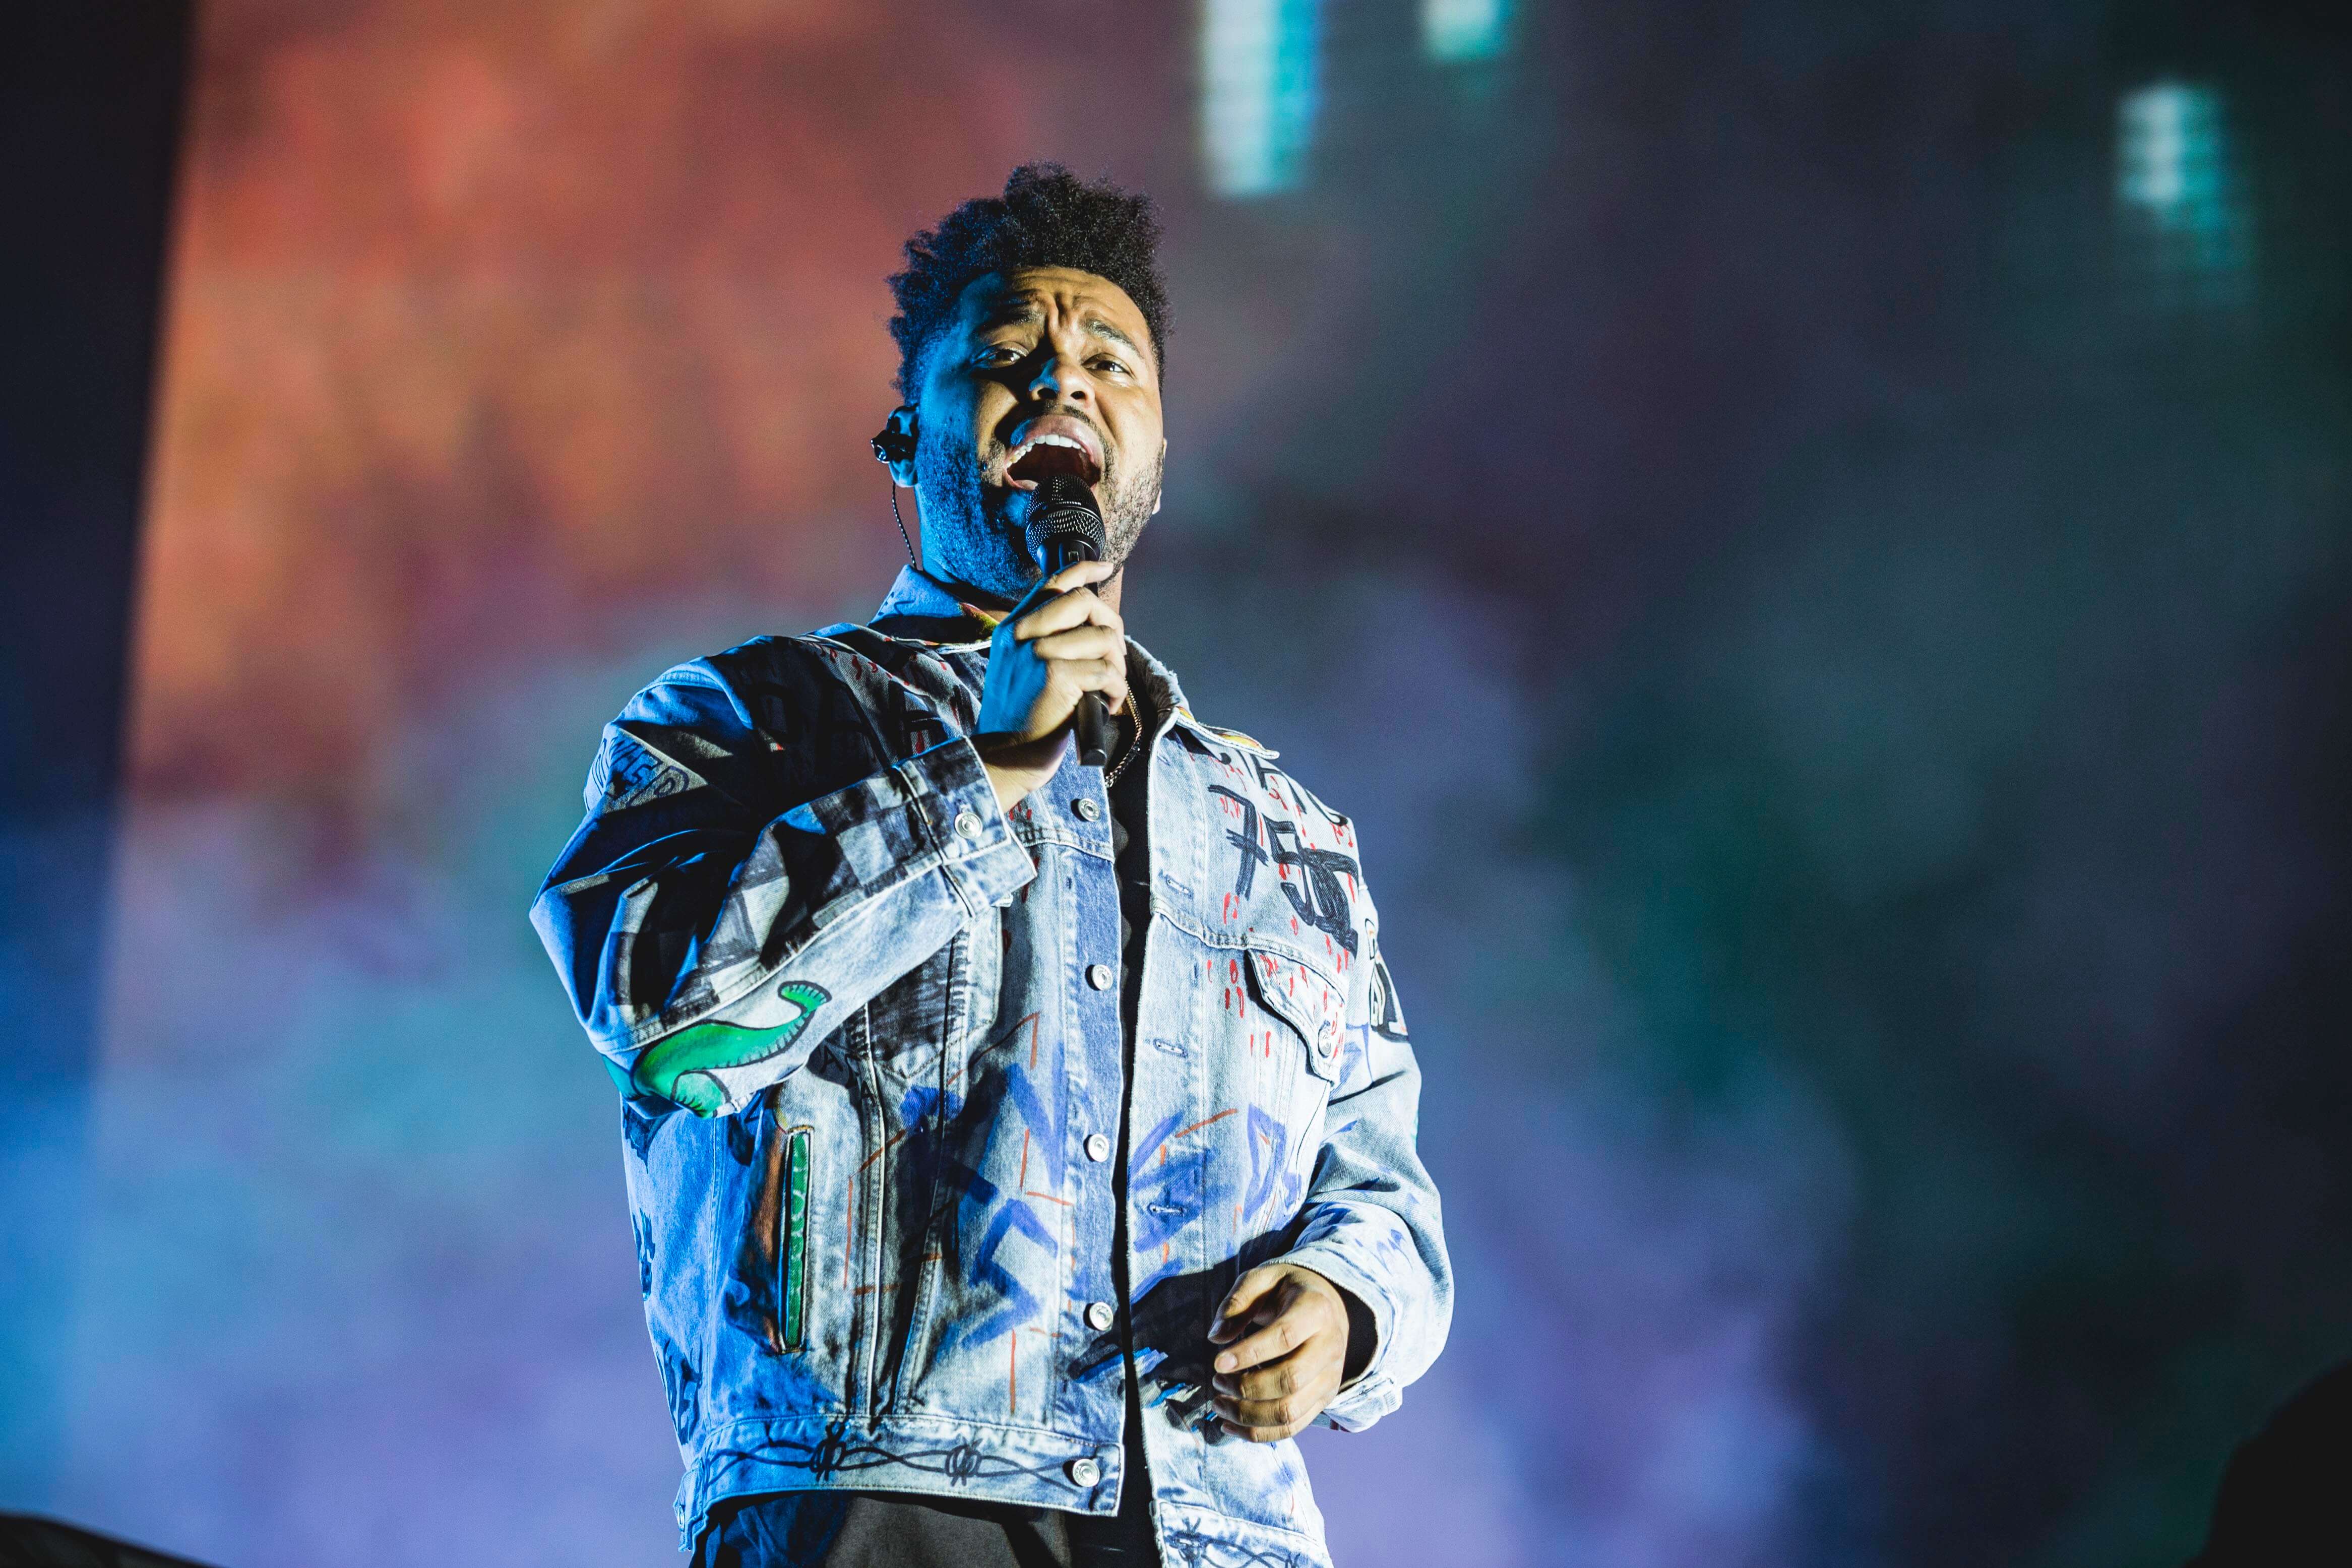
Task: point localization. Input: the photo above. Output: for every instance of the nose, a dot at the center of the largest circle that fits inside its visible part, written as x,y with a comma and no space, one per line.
1059,379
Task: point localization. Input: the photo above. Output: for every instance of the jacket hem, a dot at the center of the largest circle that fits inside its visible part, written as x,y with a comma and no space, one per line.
1203,1538
931,1455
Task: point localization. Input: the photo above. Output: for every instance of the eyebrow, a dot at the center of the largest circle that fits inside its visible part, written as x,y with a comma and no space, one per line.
1015,309
1019,310
1102,329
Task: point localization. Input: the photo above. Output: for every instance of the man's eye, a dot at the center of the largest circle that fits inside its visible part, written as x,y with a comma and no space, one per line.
997,354
1106,363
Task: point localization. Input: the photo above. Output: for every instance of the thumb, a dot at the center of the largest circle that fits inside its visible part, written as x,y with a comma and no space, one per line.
1247,1291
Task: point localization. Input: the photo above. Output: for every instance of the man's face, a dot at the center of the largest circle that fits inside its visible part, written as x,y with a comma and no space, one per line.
1042,371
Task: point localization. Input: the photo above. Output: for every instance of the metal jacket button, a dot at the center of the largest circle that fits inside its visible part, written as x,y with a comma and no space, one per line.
968,824
1099,1316
1099,977
1086,808
1086,1472
1098,1147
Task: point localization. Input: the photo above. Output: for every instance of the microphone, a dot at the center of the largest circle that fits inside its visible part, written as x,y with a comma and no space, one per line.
1065,528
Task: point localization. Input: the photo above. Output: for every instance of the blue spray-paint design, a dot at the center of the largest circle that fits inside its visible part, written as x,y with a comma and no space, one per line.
1020,1306
1269,1148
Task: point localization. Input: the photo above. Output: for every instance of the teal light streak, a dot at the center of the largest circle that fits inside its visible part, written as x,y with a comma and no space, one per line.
1259,94
1456,30
2168,155
2177,189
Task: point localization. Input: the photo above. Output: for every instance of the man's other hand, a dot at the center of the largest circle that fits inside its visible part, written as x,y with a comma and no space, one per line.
1058,643
1284,1334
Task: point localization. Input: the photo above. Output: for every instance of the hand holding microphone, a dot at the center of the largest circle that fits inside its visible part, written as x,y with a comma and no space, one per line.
1059,660
1065,528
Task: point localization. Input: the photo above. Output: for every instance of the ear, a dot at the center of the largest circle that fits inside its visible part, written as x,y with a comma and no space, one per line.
893,444
1163,482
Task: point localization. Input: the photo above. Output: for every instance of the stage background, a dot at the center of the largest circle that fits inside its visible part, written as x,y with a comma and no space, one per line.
1814,543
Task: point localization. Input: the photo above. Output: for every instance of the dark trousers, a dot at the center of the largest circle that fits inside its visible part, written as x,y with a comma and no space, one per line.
873,1530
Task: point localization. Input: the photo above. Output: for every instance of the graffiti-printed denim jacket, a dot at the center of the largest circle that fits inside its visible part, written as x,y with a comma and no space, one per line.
867,1029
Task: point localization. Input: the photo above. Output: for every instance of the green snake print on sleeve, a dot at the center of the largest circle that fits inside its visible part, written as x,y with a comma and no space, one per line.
678,1067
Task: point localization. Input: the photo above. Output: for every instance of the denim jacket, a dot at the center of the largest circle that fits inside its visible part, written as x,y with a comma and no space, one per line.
867,1029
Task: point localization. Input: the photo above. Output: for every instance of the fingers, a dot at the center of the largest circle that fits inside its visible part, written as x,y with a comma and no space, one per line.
1248,1291
1088,657
1049,653
1085,641
1268,1381
1079,607
1285,1313
1059,603
1277,1400
1278,1338
1076,671
1075,678
1084,574
1284,1342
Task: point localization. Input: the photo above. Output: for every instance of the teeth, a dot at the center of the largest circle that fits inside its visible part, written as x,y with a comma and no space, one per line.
1051,440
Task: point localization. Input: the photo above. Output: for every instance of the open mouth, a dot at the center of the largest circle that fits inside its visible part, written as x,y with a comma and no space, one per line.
1050,444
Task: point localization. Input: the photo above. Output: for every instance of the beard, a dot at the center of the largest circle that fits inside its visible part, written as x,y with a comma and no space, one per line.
970,532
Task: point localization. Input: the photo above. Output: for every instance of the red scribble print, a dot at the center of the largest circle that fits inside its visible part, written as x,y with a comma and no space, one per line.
1204,1122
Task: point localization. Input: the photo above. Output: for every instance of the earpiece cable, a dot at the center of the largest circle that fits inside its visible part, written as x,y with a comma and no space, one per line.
902,524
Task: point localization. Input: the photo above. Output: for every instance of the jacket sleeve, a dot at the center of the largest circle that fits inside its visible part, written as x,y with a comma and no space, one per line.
710,929
1371,1223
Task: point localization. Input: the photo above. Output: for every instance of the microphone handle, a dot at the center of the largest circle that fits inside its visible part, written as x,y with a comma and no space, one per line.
1091,725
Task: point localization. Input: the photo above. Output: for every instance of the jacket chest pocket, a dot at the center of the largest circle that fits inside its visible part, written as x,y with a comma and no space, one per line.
1310,1013
1278,1084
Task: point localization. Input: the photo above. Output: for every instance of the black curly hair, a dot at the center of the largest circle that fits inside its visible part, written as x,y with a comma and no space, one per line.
1046,217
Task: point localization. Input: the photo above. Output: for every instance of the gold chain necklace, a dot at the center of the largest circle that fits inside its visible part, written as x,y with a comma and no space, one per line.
1133,715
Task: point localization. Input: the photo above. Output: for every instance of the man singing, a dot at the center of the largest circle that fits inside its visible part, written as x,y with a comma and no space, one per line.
1020,1151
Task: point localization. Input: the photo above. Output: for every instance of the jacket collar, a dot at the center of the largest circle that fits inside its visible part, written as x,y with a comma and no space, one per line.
930,613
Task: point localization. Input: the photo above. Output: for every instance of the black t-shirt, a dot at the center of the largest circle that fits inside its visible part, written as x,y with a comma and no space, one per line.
1127,1538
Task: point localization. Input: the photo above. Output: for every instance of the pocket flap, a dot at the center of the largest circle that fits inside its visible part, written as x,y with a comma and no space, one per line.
1306,1001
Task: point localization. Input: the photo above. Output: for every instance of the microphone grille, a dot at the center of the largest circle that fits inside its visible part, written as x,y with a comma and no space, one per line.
1063,508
